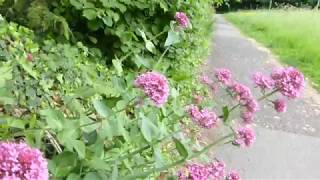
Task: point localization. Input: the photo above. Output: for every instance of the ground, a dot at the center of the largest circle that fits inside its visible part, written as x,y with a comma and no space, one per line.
287,144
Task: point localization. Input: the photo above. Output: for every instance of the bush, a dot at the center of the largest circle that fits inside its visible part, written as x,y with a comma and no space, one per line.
76,101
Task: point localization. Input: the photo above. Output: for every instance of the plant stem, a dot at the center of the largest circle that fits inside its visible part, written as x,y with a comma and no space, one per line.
128,105
175,163
131,52
207,148
143,148
161,57
268,94
53,141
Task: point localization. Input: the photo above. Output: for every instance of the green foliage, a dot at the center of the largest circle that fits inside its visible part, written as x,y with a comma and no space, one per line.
281,31
76,101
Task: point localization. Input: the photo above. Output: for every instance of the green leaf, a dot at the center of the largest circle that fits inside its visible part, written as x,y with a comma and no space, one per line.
98,164
74,177
84,120
80,147
148,129
90,14
101,107
64,164
226,113
76,4
139,60
172,38
181,148
143,35
150,46
5,73
113,127
54,118
92,176
118,66
107,20
158,157
28,68
16,123
6,97
114,175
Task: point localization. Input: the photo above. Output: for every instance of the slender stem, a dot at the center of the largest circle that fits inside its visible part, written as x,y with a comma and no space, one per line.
157,35
143,148
178,162
161,57
128,105
268,94
131,52
234,107
53,141
207,148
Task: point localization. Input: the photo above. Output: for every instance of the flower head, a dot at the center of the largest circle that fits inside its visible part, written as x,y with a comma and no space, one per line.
223,75
264,82
251,105
194,172
216,170
280,105
247,117
19,161
289,81
233,175
242,92
182,19
204,118
245,136
155,86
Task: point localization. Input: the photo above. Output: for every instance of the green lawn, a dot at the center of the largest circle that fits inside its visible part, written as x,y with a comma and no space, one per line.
292,35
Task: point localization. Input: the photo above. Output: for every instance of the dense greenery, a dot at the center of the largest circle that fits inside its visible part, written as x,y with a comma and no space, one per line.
258,4
282,32
67,87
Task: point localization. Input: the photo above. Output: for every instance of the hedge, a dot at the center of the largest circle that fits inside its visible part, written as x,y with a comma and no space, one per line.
72,94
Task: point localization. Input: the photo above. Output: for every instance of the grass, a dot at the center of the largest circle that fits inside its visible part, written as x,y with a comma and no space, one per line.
293,35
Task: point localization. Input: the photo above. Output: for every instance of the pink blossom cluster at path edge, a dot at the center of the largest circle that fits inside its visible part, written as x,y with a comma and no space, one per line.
289,81
223,75
204,118
245,136
262,81
233,175
196,171
155,86
214,171
19,161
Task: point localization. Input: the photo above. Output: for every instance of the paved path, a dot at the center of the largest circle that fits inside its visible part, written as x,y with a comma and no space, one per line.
288,145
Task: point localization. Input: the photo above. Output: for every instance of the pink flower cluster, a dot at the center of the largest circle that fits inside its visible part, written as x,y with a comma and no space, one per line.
289,81
155,86
19,161
182,19
214,171
264,82
233,175
280,105
195,171
204,118
245,136
244,96
223,75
